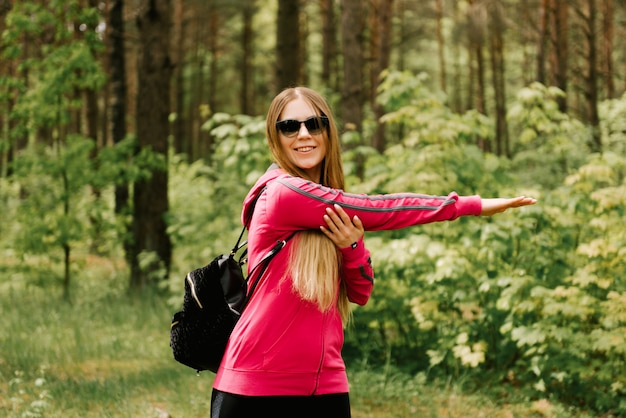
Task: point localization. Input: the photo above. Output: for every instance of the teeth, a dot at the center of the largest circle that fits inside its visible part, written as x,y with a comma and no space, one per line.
304,149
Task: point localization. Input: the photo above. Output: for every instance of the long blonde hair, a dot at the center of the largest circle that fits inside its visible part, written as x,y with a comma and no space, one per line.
314,263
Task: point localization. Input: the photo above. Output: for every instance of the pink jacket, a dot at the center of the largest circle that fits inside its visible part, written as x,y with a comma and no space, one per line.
283,345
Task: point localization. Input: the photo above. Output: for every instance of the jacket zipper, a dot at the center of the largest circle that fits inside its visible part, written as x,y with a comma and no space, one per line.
322,354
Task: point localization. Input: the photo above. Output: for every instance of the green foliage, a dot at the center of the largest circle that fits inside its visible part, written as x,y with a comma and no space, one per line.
49,74
532,297
52,207
52,181
206,197
612,124
570,325
549,143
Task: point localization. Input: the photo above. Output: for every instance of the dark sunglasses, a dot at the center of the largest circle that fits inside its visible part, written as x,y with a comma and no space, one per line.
290,127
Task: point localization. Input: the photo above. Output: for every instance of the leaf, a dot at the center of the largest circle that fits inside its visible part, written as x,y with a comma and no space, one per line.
529,336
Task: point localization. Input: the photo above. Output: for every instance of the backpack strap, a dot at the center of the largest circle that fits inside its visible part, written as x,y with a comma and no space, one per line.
265,261
239,245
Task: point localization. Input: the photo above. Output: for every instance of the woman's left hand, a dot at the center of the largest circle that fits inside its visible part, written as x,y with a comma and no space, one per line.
499,205
342,230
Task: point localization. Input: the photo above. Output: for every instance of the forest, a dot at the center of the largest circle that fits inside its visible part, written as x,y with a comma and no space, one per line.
131,131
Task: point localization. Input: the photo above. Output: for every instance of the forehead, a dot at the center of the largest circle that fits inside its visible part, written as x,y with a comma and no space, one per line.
298,109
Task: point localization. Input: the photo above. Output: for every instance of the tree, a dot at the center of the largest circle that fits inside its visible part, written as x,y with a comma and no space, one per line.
352,51
381,54
558,48
352,93
150,196
329,45
178,85
440,45
477,19
5,73
608,34
542,38
496,37
288,46
247,35
118,104
587,15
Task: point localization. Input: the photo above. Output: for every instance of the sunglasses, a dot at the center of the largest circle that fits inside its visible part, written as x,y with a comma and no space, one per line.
290,127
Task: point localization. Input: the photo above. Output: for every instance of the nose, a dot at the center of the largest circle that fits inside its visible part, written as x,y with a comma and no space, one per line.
303,131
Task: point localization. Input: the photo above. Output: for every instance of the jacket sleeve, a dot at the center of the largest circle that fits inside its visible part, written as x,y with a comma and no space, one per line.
300,204
357,272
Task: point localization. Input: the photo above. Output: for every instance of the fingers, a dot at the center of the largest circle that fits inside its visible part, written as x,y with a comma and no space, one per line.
342,230
499,205
357,222
520,201
338,216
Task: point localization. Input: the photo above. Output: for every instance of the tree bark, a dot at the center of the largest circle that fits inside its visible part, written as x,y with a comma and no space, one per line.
247,37
352,91
383,21
559,46
542,39
497,27
590,75
477,20
329,42
440,45
150,196
607,46
288,51
180,143
6,70
118,105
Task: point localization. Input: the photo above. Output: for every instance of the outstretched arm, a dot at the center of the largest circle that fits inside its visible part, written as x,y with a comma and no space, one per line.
498,205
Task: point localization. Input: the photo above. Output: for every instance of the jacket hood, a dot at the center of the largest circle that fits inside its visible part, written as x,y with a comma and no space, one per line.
272,173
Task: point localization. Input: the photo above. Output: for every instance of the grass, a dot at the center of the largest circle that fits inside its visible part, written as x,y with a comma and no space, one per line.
105,354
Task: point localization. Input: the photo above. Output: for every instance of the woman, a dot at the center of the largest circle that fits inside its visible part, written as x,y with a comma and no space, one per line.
284,355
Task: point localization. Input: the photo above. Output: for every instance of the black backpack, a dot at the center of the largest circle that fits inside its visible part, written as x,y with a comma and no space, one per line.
215,297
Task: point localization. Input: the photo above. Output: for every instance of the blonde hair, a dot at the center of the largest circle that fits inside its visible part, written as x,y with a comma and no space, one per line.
314,263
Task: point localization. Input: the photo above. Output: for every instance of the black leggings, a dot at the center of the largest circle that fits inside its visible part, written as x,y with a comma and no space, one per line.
228,405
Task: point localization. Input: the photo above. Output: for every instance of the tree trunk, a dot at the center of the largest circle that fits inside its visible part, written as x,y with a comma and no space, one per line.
352,91
215,34
150,196
542,39
6,70
118,106
181,145
247,38
559,44
497,22
382,63
440,45
288,44
590,75
329,49
607,46
373,59
477,20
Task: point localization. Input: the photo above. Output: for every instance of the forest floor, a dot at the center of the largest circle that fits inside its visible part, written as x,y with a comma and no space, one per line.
106,354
